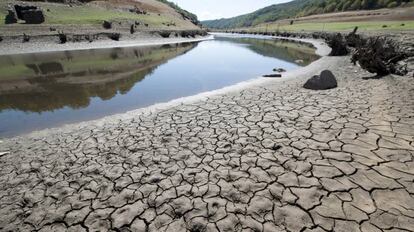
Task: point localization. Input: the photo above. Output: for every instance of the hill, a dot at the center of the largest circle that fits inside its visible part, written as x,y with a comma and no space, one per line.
155,13
301,8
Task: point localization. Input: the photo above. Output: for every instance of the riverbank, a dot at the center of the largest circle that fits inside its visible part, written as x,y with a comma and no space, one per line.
266,156
50,44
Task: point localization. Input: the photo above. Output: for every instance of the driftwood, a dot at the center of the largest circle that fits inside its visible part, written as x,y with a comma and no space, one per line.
338,45
353,39
380,55
273,75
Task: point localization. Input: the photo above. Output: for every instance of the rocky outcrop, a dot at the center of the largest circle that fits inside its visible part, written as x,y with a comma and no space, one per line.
34,17
30,14
321,82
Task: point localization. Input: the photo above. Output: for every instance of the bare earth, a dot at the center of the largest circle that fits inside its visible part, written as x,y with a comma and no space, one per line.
45,45
268,157
396,14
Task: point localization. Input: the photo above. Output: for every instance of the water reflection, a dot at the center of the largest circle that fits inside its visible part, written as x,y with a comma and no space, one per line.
49,89
279,49
73,78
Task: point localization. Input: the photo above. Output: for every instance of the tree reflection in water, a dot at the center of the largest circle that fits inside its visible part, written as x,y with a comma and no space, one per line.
50,81
279,49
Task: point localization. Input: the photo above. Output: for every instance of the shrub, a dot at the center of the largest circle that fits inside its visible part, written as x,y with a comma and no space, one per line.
107,24
89,38
10,18
26,38
132,29
114,36
62,38
392,4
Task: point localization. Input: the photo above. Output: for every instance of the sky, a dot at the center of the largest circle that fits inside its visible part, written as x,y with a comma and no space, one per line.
215,9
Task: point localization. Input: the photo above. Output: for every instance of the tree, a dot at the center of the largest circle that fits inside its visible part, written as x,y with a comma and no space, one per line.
392,4
346,6
339,6
356,5
365,4
381,3
330,8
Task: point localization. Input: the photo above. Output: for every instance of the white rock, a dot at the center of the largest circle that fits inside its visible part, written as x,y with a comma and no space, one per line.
4,153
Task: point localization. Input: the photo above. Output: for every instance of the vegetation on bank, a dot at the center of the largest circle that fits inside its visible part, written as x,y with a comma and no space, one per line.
336,26
300,8
188,15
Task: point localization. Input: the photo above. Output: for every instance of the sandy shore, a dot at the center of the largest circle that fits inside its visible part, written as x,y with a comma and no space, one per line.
51,46
265,155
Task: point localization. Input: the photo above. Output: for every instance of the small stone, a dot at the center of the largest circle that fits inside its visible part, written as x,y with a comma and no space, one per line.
280,70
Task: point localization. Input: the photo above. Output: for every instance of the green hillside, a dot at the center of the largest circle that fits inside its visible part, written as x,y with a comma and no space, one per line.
299,8
186,14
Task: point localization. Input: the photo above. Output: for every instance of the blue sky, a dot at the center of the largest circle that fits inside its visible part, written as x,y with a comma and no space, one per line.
214,9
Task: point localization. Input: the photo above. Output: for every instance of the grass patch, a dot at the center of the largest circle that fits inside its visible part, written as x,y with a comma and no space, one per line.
77,15
339,26
94,15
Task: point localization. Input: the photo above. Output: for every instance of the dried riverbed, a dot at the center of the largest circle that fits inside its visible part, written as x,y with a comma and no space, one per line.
267,157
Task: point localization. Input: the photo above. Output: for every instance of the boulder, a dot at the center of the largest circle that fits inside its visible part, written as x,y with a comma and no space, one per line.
326,80
33,17
10,18
30,14
21,9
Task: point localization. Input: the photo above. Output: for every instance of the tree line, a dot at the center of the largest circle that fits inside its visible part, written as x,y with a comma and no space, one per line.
300,8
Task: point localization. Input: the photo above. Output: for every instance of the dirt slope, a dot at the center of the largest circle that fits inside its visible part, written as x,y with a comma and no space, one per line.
86,18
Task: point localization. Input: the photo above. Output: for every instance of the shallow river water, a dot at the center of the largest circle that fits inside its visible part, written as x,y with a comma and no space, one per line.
43,90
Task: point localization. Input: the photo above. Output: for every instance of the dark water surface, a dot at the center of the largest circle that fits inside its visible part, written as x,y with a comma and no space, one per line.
50,89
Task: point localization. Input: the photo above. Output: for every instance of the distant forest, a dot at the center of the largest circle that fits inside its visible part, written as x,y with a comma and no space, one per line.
188,15
299,8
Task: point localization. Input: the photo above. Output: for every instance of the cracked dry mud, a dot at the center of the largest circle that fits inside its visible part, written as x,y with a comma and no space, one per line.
274,157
